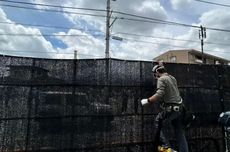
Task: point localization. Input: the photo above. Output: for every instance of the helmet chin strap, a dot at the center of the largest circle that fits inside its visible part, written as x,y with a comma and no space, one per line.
156,75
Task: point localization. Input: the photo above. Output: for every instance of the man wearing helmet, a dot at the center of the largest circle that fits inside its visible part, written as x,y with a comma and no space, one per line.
167,92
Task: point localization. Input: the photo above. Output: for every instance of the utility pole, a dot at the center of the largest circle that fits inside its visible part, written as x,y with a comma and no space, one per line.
75,54
202,36
107,30
108,25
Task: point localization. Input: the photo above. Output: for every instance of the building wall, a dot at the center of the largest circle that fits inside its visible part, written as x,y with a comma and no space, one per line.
210,61
188,56
181,57
193,59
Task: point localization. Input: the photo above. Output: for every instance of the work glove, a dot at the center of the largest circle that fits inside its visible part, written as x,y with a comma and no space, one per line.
144,102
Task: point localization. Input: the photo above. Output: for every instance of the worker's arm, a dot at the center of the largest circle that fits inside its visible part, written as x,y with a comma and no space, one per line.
154,98
150,100
159,93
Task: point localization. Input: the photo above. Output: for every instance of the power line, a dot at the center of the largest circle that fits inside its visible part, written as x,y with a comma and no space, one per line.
146,19
91,9
87,14
56,11
167,38
45,52
148,36
217,29
84,14
139,35
135,40
83,35
207,2
81,29
20,51
215,43
143,20
55,6
90,55
154,19
63,35
123,33
159,21
118,12
50,26
140,19
164,44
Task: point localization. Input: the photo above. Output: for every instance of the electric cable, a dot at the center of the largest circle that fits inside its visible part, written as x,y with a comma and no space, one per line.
62,35
147,19
55,6
168,38
50,26
118,12
207,2
56,11
45,52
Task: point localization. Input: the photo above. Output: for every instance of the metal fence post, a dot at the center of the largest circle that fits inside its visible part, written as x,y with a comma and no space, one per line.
29,102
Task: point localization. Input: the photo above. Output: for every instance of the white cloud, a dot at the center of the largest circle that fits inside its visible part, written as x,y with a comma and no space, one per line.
26,45
87,45
180,4
135,48
148,8
95,46
217,18
212,19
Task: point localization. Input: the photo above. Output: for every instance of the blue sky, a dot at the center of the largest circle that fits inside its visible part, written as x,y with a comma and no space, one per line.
58,34
40,18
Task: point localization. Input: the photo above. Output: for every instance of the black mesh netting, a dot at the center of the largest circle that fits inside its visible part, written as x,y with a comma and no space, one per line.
94,105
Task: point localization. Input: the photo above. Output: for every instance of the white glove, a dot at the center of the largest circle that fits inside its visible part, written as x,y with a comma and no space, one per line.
144,102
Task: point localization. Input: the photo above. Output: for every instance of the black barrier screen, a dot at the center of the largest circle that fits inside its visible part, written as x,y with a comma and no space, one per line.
94,105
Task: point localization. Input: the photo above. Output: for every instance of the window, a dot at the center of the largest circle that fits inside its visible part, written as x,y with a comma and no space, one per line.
217,62
198,59
173,59
160,60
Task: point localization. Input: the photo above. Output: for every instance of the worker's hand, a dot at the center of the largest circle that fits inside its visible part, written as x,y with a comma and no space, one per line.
144,102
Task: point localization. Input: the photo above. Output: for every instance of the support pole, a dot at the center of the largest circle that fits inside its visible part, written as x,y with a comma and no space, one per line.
202,36
75,54
107,30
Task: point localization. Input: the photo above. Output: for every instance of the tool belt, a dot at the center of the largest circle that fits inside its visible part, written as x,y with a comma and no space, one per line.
171,108
176,107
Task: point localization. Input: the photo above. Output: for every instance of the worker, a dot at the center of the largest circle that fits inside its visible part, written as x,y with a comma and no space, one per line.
168,95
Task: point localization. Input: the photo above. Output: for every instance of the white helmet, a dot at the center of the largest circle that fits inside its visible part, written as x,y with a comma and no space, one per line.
157,67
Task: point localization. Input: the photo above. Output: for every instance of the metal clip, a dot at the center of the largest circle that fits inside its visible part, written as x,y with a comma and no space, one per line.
168,108
176,108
